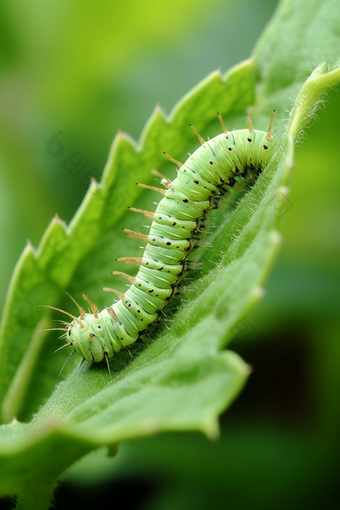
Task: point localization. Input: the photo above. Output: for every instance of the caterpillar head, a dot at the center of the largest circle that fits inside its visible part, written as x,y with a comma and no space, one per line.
86,337
87,333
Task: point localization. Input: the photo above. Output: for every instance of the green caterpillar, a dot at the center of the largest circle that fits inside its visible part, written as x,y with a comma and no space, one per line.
209,172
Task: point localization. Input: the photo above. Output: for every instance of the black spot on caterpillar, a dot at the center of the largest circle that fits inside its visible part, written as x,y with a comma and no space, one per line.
201,181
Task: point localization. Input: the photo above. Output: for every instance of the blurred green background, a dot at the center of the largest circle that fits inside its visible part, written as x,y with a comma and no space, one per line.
89,69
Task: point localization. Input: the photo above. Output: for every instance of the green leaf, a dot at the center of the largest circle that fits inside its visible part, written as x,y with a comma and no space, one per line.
48,272
178,378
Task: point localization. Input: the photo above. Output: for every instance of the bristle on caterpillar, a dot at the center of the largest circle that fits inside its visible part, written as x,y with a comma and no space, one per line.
134,261
136,235
202,141
93,307
153,188
147,214
269,132
220,118
131,279
170,158
119,294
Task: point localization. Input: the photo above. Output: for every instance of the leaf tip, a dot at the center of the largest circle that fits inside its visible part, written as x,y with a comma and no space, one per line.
284,190
158,109
211,429
29,246
94,185
151,426
57,222
246,369
276,238
259,293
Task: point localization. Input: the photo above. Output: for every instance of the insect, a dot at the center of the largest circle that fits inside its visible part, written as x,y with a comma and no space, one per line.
215,167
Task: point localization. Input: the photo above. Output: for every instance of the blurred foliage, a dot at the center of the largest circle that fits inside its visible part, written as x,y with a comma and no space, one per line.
85,70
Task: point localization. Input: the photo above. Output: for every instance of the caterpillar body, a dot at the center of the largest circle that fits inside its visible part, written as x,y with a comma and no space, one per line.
207,175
